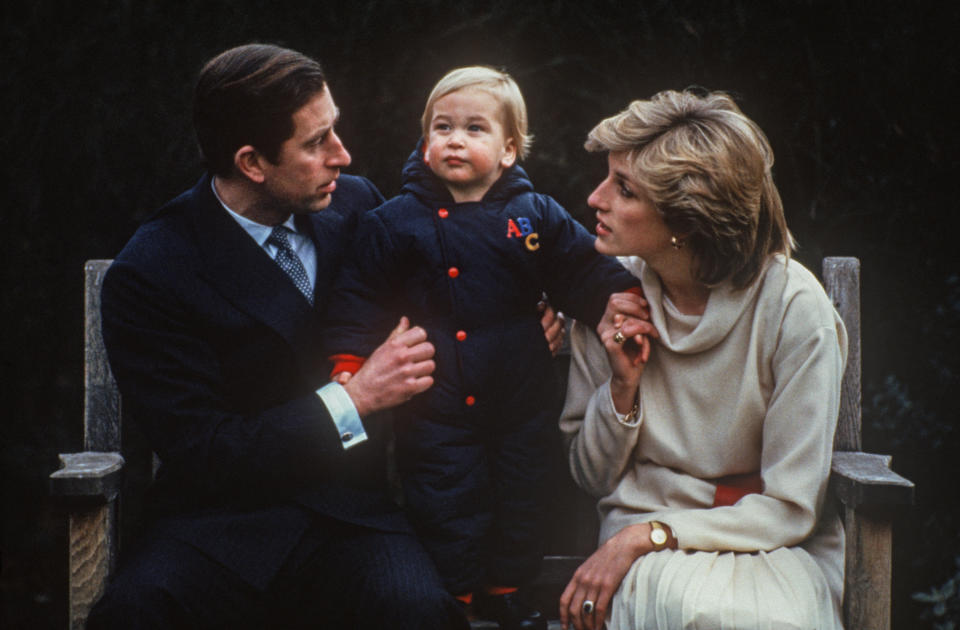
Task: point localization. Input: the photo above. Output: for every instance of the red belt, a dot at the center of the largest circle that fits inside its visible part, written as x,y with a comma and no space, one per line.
732,488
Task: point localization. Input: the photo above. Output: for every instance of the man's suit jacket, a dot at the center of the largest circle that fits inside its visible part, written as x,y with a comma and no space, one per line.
217,357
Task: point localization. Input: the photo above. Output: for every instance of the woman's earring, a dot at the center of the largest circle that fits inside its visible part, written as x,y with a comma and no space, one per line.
676,242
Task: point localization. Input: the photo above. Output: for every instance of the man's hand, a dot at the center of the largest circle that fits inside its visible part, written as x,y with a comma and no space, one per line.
398,369
554,326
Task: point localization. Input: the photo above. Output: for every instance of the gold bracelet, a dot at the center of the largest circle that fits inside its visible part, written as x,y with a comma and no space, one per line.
635,411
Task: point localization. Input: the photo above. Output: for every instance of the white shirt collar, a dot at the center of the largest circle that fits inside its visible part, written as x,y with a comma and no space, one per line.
259,232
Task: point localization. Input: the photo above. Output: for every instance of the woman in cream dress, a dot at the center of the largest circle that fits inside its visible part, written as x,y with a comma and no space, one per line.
702,416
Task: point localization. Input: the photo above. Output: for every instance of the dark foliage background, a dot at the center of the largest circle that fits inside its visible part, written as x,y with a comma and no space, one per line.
858,100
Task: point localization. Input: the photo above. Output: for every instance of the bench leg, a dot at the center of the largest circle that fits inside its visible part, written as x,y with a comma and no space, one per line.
92,552
866,602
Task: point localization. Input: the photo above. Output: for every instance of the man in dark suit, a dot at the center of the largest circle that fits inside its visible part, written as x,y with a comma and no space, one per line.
270,507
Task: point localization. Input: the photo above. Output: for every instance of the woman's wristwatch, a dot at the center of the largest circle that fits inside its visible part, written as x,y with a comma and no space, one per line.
659,535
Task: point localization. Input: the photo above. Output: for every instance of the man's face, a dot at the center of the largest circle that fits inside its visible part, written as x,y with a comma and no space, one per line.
305,174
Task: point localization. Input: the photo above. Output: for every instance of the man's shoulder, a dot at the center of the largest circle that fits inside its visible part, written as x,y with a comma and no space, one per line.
354,195
399,205
166,235
356,183
405,213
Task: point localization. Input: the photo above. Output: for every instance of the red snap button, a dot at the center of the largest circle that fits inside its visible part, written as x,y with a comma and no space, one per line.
461,335
453,272
470,400
443,212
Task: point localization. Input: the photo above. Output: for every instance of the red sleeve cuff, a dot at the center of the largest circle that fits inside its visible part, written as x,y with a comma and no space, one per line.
346,363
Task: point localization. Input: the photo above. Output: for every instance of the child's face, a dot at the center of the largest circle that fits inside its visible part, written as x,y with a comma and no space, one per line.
466,146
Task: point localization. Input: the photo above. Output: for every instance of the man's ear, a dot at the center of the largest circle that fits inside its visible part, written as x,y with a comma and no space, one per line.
509,153
249,162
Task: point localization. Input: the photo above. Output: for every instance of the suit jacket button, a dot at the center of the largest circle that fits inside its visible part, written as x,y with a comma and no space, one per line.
443,212
453,272
470,401
461,335
346,436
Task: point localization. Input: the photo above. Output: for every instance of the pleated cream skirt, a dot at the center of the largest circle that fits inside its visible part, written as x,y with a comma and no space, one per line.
700,590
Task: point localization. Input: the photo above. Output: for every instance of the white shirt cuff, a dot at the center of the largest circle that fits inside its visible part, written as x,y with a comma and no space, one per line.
344,414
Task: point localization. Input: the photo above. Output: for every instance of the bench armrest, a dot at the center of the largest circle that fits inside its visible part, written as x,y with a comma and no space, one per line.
865,480
89,478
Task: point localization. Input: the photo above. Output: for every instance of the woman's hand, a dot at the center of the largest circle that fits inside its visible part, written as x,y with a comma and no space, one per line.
599,577
625,331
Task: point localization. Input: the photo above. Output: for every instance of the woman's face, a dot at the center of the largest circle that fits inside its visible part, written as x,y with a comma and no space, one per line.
627,221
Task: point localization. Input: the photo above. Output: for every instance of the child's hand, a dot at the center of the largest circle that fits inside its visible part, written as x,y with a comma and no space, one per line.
342,377
554,326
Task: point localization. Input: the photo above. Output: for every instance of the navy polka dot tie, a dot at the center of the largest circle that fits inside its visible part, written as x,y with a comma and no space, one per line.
290,262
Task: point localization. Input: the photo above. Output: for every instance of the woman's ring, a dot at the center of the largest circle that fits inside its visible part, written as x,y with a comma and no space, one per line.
587,604
618,339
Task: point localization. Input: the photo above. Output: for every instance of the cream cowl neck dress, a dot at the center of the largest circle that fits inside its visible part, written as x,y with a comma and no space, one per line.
752,385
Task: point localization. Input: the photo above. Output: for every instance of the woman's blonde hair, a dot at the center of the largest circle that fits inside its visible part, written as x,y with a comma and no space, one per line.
707,168
498,84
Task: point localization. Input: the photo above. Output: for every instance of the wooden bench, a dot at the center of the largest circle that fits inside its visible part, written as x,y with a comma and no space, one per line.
88,484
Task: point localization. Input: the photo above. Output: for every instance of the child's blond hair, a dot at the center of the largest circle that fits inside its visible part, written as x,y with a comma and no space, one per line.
498,84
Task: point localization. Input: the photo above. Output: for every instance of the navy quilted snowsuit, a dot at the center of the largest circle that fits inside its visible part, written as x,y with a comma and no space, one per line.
473,449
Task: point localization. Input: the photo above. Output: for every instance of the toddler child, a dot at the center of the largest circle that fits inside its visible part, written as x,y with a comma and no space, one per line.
466,251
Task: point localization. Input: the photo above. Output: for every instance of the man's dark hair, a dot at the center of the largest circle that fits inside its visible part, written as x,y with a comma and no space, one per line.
248,95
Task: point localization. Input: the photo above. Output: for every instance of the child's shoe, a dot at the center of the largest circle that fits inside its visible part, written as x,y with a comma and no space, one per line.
510,611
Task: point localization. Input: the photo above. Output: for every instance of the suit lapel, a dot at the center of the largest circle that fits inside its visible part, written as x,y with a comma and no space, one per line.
244,274
327,231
